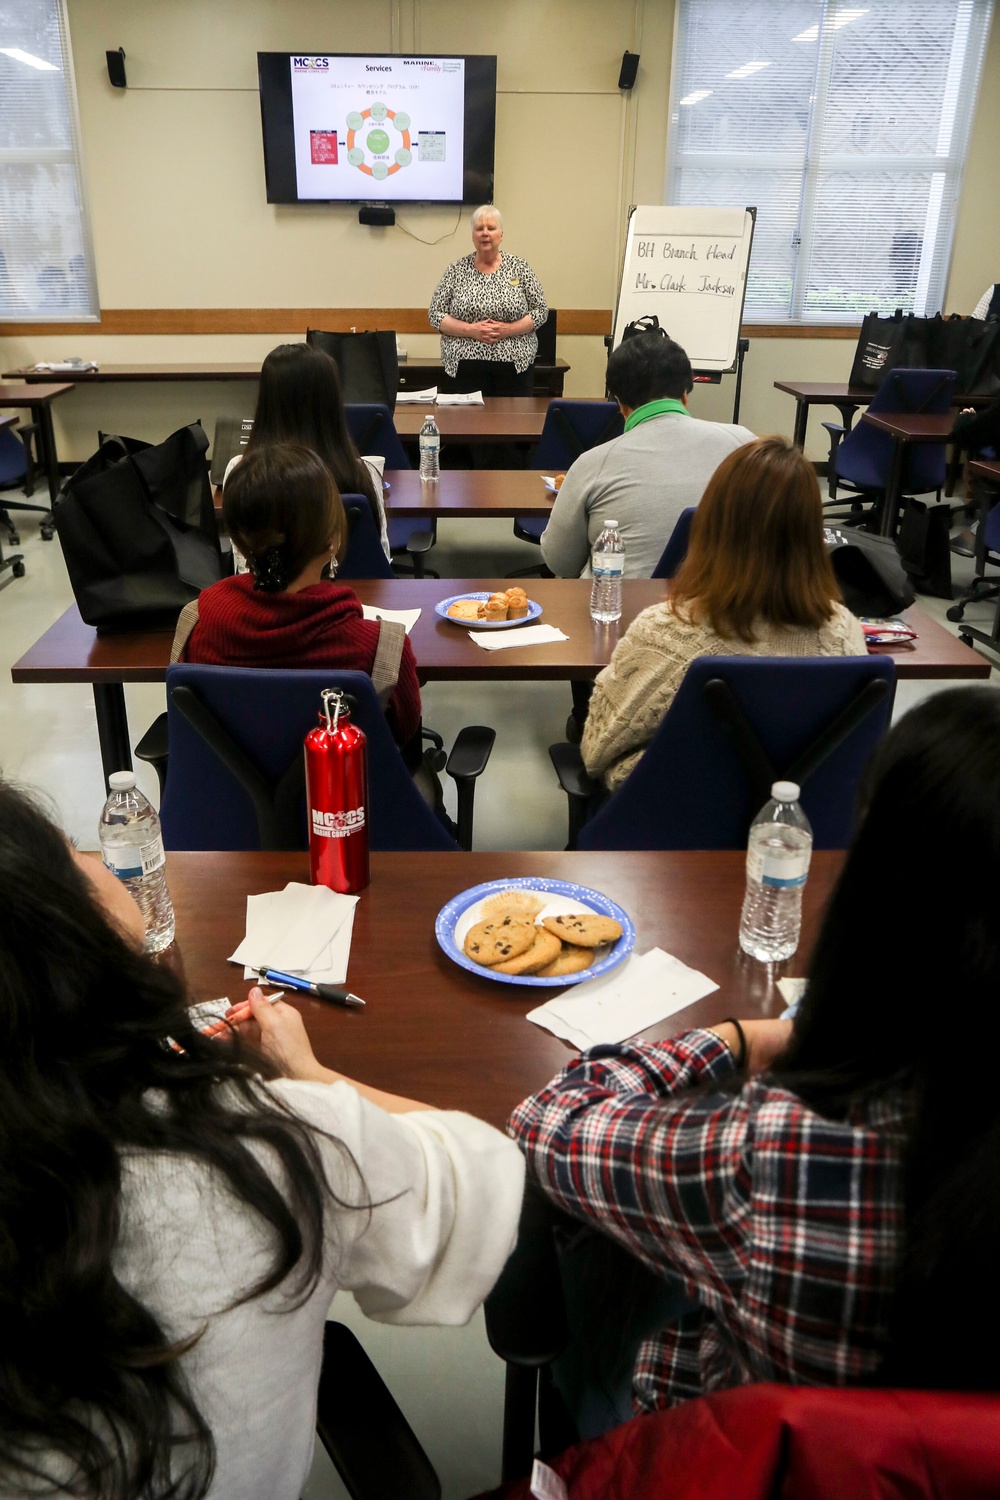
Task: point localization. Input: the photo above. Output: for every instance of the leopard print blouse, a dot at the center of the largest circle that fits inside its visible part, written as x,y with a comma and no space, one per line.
505,295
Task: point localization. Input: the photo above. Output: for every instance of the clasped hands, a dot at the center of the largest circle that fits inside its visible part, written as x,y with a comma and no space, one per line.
489,331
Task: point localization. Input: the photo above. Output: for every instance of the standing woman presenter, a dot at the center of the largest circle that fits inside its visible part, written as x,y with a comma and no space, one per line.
488,307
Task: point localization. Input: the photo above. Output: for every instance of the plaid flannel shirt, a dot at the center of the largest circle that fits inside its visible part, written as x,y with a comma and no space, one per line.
783,1225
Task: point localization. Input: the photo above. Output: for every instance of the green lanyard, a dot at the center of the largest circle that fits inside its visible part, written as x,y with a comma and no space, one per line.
654,409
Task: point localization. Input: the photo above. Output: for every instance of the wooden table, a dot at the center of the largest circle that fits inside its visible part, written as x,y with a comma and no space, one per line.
415,374
431,1030
503,419
461,494
985,468
71,651
905,428
39,398
846,398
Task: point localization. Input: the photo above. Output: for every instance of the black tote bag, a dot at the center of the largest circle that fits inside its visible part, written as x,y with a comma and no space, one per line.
868,568
879,350
138,531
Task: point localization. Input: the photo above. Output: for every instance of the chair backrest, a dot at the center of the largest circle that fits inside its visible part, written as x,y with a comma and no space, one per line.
266,713
547,339
865,454
675,551
571,427
231,437
692,789
367,363
13,465
372,428
364,557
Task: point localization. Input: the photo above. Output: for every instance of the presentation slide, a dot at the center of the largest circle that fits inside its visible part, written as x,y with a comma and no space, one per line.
379,127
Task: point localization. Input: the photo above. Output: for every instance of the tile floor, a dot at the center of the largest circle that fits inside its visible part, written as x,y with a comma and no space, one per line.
446,1380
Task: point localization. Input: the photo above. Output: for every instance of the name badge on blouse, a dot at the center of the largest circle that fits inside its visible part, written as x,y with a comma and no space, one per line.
514,282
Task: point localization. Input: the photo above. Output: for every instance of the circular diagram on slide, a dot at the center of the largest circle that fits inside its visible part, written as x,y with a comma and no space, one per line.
378,140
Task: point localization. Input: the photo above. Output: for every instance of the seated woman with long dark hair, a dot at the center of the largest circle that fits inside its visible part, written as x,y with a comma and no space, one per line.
299,400
282,510
757,581
173,1227
823,1190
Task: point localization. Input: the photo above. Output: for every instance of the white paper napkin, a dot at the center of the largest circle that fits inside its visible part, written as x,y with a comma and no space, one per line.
304,929
461,398
791,991
413,398
406,617
527,635
641,992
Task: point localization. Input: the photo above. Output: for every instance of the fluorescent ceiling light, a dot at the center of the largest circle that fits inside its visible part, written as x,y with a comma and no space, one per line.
842,18
30,59
747,69
694,98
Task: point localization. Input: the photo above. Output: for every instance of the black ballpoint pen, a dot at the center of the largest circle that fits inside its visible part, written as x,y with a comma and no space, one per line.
331,992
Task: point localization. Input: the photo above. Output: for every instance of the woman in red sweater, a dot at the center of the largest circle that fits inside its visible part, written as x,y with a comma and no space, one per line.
282,510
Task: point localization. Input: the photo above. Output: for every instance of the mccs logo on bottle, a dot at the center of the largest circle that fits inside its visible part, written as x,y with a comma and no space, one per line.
338,825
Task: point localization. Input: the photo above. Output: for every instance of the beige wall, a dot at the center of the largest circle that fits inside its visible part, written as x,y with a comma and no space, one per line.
174,177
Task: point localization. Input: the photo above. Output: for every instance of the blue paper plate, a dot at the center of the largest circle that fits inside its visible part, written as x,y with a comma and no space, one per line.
450,916
534,610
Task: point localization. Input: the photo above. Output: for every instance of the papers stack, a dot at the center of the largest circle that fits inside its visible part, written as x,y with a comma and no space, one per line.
461,398
528,635
413,398
304,929
641,992
64,366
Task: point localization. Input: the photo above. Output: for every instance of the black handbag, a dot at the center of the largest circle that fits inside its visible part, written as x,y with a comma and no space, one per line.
871,576
138,530
648,323
924,546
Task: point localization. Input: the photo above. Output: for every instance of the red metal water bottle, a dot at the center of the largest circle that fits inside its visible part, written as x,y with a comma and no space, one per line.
337,792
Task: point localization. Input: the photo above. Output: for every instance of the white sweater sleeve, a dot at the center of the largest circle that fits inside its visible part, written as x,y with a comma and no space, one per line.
982,307
445,1191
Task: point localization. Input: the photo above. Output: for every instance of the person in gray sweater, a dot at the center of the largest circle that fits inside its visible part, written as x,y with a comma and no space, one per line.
645,478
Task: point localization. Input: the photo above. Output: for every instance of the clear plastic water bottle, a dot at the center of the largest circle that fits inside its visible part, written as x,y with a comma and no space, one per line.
132,848
607,564
430,449
778,854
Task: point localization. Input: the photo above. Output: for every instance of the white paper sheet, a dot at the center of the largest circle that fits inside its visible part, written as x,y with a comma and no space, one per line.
641,992
526,635
405,617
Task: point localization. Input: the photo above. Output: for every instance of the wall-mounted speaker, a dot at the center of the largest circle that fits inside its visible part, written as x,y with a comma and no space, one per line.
116,68
630,67
376,215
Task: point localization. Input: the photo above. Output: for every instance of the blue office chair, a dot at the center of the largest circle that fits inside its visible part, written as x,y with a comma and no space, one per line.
860,458
17,468
235,777
675,551
373,430
570,428
364,557
736,725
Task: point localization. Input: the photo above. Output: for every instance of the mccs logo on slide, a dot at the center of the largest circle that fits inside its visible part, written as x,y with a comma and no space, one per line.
309,64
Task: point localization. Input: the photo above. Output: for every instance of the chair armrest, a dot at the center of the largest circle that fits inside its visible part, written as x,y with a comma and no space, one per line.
469,755
836,430
574,778
419,542
371,1444
154,747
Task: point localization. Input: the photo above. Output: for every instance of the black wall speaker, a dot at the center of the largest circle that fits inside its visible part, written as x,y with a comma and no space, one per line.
630,67
116,67
373,215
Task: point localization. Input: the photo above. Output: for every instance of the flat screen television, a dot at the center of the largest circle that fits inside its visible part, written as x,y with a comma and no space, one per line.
358,128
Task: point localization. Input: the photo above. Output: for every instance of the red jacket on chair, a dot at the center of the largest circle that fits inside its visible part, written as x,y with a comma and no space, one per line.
779,1442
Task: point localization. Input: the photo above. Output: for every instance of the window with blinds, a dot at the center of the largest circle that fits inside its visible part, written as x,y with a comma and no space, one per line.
46,257
846,126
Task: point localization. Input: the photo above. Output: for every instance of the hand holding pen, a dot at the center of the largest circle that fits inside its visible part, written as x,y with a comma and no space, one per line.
280,1035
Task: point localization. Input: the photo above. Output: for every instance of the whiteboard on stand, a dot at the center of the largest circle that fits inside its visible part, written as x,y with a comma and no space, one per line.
689,267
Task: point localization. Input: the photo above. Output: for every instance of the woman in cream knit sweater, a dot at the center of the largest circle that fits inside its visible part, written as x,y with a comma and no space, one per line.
757,581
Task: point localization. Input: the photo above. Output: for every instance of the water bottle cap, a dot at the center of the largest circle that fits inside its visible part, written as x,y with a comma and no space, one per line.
785,791
121,781
611,525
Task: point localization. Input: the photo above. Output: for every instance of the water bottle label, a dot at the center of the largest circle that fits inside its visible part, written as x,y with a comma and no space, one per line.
430,442
607,566
782,871
128,861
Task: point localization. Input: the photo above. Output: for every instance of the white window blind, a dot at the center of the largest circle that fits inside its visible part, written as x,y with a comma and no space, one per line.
846,125
46,258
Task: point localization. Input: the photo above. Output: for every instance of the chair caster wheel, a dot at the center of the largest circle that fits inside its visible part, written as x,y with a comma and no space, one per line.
573,731
965,639
18,569
955,613
14,539
48,532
